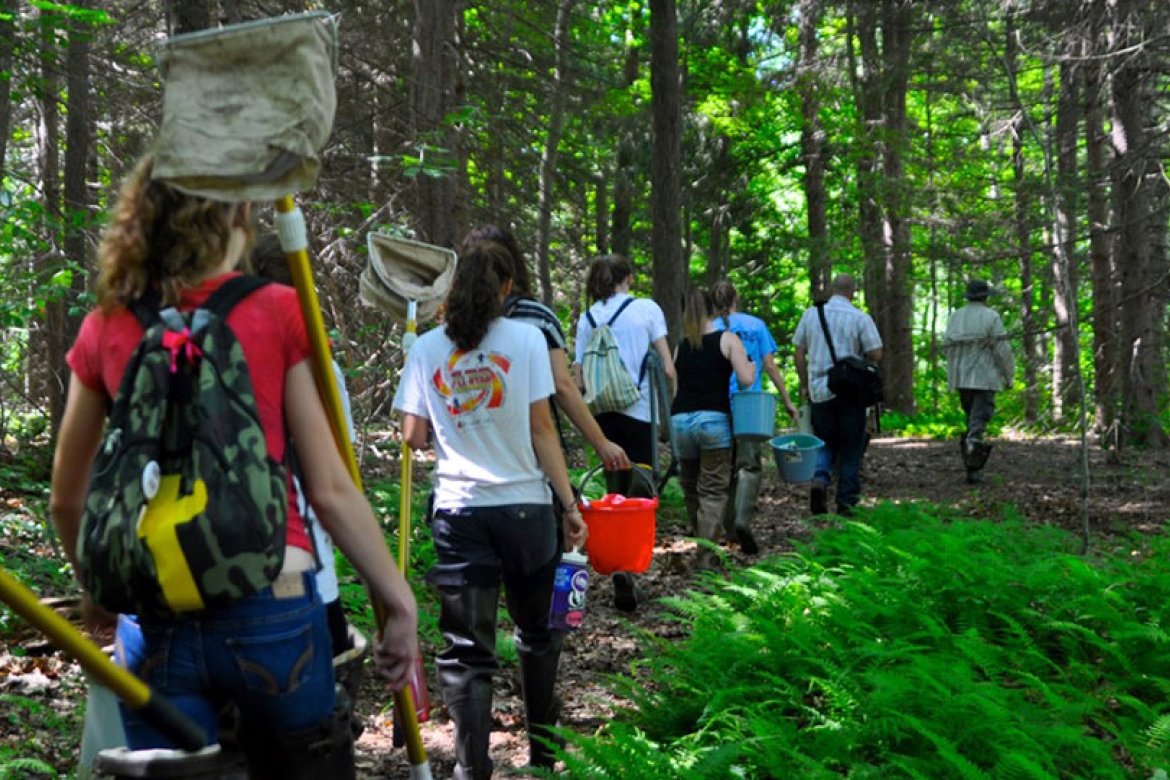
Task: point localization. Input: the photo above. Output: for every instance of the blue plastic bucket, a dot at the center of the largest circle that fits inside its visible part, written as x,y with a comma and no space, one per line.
796,456
753,415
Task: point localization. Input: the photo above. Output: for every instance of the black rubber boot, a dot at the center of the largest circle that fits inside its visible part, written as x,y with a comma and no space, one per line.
312,754
977,454
539,651
468,622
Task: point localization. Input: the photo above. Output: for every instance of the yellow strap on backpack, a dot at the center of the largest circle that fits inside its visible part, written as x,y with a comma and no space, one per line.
158,526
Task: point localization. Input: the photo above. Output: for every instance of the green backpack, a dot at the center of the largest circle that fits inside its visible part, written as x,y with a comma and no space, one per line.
608,385
186,509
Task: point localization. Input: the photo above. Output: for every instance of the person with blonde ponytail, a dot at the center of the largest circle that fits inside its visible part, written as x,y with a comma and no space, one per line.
481,384
267,654
707,360
747,469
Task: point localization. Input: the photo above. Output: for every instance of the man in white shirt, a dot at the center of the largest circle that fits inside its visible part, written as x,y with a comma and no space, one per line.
979,365
836,421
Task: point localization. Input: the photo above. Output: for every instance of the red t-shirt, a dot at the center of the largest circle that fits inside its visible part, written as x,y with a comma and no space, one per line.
270,329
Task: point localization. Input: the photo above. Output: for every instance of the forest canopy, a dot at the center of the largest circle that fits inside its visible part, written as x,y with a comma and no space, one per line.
915,144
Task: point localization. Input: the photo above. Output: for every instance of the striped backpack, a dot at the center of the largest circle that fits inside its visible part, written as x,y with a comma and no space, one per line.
608,384
186,509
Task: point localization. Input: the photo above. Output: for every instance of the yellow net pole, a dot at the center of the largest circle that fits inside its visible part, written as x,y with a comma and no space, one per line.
406,485
132,691
290,227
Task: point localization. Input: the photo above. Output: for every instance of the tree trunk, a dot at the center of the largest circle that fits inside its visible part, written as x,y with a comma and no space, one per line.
1143,378
1027,276
7,47
934,240
432,87
898,302
61,329
666,195
624,174
1023,233
721,175
812,147
600,216
718,244
42,377
867,90
1104,275
548,158
1065,376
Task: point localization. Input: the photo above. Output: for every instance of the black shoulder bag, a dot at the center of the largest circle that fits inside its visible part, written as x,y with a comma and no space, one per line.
852,378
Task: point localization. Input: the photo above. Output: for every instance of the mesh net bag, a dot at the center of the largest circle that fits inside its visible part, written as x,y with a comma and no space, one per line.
401,270
247,108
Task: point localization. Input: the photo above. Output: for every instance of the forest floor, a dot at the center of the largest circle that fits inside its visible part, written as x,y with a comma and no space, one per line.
1040,477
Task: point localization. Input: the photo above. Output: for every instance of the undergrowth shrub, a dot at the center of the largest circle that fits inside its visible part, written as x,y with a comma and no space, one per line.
906,644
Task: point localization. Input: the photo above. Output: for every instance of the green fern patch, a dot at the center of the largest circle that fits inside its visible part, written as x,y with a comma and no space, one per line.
908,643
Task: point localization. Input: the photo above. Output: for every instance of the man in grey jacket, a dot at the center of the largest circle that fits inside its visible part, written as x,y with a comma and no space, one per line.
979,364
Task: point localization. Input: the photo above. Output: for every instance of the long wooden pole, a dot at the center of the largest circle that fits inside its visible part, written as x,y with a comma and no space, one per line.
293,240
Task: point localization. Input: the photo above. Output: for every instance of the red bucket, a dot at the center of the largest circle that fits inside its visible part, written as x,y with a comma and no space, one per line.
621,531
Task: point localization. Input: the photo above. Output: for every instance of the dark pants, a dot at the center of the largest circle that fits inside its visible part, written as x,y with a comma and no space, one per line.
477,549
634,436
841,426
979,407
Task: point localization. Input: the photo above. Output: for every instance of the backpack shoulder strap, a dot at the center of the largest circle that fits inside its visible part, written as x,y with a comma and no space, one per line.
619,311
589,317
825,328
231,292
146,308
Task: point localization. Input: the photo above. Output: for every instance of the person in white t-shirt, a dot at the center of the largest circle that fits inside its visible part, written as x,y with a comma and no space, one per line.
481,384
639,327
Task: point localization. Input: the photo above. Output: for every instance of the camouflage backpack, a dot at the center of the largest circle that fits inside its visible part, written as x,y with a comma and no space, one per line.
186,510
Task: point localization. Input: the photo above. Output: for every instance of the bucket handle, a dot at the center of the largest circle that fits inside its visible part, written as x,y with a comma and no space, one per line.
643,473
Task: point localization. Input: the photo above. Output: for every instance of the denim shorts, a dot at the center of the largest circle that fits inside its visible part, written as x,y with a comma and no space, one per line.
268,654
697,431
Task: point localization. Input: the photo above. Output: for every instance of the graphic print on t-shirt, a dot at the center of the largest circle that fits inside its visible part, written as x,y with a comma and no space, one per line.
751,343
470,381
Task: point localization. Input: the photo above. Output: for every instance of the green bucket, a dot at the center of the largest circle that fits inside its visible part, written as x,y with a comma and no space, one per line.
796,456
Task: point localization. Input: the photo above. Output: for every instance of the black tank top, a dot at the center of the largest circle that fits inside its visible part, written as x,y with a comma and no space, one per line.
704,377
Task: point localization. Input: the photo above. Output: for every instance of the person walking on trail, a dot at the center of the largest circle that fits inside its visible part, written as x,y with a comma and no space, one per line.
522,306
979,365
836,421
706,360
480,382
182,248
747,467
638,325
99,733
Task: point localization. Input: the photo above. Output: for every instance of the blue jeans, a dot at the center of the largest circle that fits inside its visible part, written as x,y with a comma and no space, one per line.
841,425
697,431
269,655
